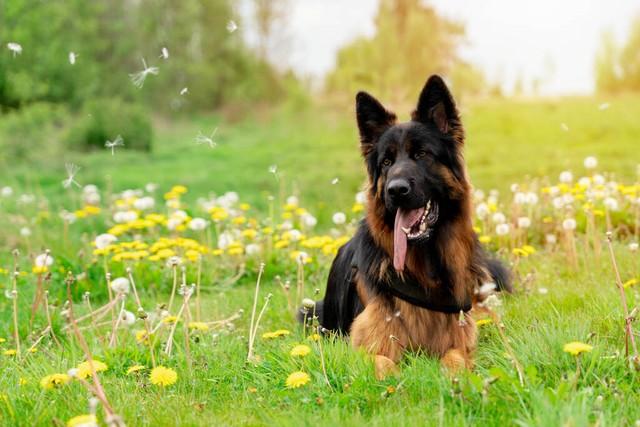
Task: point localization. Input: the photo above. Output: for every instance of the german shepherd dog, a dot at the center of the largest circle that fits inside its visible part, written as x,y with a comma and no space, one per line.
411,274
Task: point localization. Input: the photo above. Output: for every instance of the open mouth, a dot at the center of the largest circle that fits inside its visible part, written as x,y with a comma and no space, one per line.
412,225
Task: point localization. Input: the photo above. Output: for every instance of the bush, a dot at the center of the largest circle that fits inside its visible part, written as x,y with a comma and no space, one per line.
32,132
104,119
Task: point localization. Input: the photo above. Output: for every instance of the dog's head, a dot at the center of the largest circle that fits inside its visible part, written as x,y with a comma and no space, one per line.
416,169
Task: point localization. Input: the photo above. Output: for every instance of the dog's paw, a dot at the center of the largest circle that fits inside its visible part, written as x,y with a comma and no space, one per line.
385,367
455,361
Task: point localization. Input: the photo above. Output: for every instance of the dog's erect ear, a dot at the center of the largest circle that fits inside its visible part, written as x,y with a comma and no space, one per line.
436,105
373,120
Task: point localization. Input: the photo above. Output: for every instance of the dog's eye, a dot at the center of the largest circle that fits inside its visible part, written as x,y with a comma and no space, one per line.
420,154
386,162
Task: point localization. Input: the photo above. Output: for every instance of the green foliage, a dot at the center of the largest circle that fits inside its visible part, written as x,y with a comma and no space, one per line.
618,67
411,42
32,132
104,119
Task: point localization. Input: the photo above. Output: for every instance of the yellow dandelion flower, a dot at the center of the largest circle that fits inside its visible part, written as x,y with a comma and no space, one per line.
249,233
217,252
297,379
199,326
10,352
300,350
178,189
54,381
163,376
88,420
84,370
245,206
281,244
314,337
170,320
39,269
2,340
267,230
576,347
482,322
630,283
357,208
391,389
142,337
520,252
269,335
135,368
239,220
529,249
282,332
484,239
22,381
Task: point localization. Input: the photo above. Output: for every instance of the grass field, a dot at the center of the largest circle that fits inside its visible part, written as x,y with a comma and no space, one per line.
555,302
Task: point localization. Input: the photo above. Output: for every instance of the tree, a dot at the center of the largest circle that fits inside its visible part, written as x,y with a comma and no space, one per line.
411,41
617,68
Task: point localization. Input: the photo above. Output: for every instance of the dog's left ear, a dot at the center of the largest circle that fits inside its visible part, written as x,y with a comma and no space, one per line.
436,105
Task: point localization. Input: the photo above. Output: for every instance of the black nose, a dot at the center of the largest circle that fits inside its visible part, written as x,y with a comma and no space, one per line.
398,188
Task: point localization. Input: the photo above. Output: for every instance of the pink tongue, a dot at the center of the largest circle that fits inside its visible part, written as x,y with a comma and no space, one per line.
403,219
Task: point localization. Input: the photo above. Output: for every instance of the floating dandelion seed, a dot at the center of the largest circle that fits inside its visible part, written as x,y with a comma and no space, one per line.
184,91
564,127
334,181
232,26
139,78
72,170
604,106
118,142
15,48
164,53
72,58
203,139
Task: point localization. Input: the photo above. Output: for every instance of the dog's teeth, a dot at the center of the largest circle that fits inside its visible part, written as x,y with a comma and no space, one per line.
423,227
406,230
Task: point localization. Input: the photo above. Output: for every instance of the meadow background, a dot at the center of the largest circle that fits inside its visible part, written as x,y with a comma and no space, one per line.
225,114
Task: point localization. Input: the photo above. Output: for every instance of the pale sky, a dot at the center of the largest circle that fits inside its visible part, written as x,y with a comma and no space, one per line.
554,41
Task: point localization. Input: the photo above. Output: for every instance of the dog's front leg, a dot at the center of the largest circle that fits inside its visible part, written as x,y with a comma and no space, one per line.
381,334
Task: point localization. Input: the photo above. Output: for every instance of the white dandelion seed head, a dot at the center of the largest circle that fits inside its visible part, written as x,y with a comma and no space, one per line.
68,217
590,162
224,240
569,224
164,53
524,222
123,217
89,188
253,249
309,221
514,188
611,204
302,257
120,285
566,177
492,200
173,223
128,318
292,200
6,191
25,232
273,169
554,190
339,218
599,179
633,246
174,261
551,238
482,211
361,197
604,106
73,372
26,199
531,198
502,229
72,58
499,218
91,198
151,187
543,291
104,240
15,48
584,182
478,195
144,203
286,225
198,224
492,302
568,199
232,26
43,260
294,235
519,198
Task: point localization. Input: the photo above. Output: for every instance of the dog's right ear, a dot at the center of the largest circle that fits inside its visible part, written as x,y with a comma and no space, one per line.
373,120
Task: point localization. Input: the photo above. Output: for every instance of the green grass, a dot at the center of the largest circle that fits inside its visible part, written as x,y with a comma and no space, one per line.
507,141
